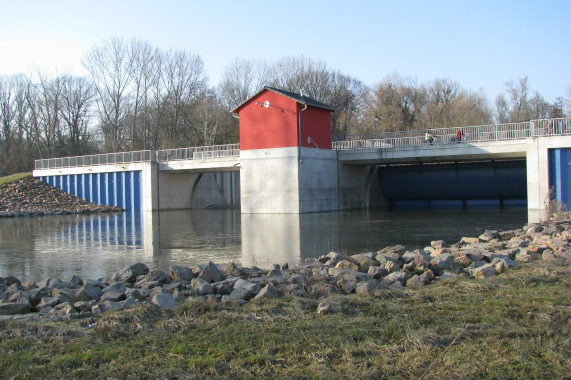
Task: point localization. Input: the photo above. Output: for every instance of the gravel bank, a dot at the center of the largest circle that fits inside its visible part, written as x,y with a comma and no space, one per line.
33,197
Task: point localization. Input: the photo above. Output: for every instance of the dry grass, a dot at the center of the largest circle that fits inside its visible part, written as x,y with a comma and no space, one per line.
514,325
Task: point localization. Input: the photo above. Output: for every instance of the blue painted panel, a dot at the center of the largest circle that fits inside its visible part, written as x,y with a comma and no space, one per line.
65,183
102,188
73,184
79,186
560,174
111,189
121,189
128,191
93,185
137,191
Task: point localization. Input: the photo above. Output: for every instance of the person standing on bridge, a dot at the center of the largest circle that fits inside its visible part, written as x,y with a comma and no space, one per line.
429,137
459,135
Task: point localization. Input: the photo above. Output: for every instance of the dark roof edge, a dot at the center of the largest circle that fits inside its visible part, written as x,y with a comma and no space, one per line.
288,94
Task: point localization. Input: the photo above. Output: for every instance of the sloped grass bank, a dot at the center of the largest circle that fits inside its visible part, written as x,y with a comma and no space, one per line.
514,325
14,177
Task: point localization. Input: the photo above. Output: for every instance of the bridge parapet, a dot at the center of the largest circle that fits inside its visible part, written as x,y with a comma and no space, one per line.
199,153
96,160
470,134
162,156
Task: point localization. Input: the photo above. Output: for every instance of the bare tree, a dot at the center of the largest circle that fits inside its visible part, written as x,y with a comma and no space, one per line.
185,82
109,67
240,80
77,99
210,118
395,104
518,93
521,106
314,79
449,105
13,113
144,74
347,96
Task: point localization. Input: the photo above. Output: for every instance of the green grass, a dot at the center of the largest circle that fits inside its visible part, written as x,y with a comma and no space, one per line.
514,325
14,177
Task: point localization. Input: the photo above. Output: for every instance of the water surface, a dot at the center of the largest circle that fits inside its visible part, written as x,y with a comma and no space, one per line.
93,246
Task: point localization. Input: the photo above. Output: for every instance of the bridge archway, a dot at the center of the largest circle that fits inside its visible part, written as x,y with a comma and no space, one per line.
216,190
198,190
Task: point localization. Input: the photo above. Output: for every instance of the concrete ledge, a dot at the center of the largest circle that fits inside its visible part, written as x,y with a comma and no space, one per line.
436,153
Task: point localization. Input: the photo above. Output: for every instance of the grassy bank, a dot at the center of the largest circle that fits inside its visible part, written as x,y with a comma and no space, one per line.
514,325
14,177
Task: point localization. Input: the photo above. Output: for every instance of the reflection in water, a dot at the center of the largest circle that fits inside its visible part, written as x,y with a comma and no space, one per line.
62,246
94,246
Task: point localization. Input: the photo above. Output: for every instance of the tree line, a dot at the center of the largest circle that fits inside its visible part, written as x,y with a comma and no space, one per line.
139,97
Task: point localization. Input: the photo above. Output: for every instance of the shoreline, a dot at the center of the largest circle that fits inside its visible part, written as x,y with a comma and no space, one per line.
393,267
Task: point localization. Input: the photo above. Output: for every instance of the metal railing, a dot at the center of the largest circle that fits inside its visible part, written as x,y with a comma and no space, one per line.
96,160
472,134
198,153
401,139
163,156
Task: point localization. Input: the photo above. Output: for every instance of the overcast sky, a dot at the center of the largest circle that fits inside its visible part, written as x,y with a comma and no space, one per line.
480,44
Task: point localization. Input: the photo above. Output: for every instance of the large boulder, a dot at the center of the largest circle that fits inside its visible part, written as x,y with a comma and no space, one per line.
164,301
268,292
130,273
396,277
112,295
347,264
244,290
158,276
211,273
201,287
181,273
115,287
336,304
366,287
442,262
12,308
485,271
88,292
415,282
365,261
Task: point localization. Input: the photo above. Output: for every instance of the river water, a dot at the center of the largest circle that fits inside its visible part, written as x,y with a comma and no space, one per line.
93,246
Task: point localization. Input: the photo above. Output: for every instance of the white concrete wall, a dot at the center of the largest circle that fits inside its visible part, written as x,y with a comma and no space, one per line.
318,181
276,181
269,181
538,172
190,190
218,189
175,190
355,189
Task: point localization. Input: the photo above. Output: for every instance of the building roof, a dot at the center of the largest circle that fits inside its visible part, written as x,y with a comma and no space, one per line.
292,95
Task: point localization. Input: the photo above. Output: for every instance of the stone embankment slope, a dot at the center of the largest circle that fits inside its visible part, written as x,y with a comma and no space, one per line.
327,279
32,197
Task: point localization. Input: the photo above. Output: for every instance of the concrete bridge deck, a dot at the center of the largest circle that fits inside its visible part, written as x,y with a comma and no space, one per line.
494,150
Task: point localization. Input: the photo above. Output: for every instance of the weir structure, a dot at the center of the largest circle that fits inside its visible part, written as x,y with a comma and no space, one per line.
288,162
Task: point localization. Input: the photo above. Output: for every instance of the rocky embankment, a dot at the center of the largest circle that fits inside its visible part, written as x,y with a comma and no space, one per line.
33,197
323,279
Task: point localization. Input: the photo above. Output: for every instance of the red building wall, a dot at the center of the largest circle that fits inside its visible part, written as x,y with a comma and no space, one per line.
277,125
316,123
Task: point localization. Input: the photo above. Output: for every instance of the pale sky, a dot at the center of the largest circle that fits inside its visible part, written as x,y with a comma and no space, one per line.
480,44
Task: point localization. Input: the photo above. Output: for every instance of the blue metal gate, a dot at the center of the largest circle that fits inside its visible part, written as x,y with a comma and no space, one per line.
121,189
560,175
